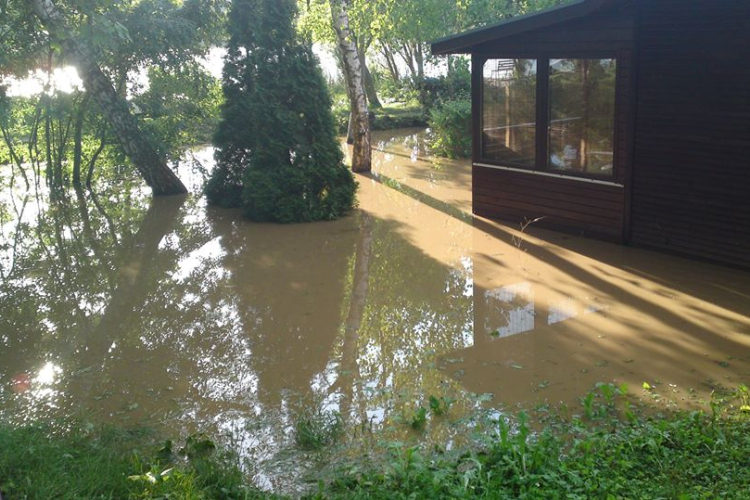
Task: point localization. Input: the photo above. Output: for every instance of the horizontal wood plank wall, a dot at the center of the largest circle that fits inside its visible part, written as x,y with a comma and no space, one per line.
691,179
571,205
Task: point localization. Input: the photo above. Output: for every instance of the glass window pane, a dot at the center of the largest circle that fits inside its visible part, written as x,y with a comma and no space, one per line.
509,111
582,115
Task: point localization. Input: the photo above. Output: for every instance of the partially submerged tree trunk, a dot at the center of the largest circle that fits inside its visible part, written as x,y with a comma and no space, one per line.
362,155
349,126
152,166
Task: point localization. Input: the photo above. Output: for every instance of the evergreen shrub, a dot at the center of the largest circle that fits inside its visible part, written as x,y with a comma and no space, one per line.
277,154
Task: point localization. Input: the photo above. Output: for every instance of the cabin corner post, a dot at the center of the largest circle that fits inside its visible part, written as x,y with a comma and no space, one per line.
634,54
542,113
477,63
625,168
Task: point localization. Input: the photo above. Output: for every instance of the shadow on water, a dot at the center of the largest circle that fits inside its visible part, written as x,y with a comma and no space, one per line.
187,317
446,208
637,315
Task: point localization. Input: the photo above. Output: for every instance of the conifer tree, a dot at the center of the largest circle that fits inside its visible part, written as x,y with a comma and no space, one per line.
277,154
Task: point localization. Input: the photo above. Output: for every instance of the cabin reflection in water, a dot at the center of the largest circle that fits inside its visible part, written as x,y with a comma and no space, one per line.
510,309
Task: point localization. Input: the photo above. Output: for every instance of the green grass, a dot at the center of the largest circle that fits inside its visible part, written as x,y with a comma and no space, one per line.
608,451
43,462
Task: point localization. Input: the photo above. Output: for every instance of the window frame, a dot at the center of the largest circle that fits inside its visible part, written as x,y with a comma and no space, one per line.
512,164
541,152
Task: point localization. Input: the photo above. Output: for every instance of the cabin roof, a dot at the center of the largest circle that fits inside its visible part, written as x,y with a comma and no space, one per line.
462,43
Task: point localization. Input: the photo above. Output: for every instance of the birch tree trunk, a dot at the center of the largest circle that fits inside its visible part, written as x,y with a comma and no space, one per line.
151,166
362,154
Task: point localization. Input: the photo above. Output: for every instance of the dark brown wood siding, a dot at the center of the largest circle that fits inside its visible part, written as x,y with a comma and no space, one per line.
691,176
573,205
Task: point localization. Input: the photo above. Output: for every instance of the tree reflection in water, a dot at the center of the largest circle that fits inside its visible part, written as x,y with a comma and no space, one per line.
170,314
188,318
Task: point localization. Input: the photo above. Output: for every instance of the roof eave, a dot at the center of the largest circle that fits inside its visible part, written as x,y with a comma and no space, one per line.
463,42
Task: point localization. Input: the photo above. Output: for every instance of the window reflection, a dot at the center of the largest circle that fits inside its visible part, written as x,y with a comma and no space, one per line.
582,115
509,111
510,310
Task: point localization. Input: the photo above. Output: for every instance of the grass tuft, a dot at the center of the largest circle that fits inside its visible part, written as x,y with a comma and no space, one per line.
314,431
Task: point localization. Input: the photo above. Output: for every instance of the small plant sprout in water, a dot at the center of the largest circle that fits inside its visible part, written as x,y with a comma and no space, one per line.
440,406
419,419
519,240
594,410
196,446
744,395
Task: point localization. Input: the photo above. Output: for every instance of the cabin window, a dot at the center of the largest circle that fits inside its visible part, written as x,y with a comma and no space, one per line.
550,114
509,111
581,116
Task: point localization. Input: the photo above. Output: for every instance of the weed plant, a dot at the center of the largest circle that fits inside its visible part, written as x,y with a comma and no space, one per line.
79,461
314,431
610,451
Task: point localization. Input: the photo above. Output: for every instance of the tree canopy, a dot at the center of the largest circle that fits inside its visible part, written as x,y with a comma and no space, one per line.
110,43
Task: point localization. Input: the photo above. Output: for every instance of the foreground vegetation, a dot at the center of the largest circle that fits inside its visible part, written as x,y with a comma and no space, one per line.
608,451
44,462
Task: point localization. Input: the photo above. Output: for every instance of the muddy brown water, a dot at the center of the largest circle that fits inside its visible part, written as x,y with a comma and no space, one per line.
188,318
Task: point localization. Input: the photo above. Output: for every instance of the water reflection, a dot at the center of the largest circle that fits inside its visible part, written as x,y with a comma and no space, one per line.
178,315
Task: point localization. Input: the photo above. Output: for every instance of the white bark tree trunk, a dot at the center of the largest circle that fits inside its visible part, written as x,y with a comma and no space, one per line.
362,154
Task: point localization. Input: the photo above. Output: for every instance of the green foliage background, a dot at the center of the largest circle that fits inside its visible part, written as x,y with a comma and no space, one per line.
451,129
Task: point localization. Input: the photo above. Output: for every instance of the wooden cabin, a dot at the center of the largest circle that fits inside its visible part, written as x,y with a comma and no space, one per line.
627,120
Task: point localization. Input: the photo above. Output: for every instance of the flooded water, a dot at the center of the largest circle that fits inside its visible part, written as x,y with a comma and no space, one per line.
183,317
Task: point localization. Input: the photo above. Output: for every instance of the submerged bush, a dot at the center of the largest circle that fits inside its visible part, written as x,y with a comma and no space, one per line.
451,129
278,156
